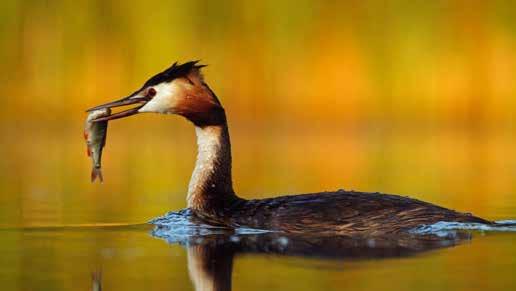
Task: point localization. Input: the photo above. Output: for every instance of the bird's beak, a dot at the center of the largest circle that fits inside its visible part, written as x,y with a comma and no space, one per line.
130,100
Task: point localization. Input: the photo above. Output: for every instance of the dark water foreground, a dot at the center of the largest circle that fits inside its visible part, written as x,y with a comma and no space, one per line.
200,257
212,250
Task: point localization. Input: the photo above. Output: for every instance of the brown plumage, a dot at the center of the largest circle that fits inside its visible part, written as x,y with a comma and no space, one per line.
181,90
341,212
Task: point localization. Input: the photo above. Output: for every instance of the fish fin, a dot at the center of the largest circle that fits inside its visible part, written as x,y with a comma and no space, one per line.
88,151
96,173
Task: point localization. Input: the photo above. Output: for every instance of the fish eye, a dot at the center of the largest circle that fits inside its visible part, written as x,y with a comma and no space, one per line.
151,92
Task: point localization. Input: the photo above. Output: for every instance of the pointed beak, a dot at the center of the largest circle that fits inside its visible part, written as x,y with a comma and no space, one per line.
130,100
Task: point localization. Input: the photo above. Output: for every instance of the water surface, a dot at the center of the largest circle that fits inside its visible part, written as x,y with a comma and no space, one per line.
178,256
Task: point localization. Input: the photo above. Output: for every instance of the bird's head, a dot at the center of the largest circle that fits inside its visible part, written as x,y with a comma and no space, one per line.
180,89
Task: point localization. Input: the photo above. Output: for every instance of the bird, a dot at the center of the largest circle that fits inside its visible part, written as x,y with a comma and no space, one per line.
181,89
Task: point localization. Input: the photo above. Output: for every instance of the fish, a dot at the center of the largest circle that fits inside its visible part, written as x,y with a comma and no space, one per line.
95,136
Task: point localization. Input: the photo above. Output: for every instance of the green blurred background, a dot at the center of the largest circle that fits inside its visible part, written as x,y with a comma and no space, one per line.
405,97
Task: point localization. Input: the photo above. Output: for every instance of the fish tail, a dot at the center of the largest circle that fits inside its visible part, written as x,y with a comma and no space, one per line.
96,173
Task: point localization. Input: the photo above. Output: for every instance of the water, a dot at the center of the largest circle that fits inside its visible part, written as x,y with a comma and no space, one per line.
443,227
175,254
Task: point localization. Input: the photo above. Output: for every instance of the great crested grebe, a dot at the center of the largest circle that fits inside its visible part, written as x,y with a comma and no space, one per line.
181,90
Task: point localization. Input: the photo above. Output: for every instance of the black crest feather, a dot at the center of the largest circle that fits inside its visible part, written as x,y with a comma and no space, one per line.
173,72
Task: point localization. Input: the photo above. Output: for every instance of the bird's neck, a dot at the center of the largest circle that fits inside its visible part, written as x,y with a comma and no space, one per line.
211,186
210,266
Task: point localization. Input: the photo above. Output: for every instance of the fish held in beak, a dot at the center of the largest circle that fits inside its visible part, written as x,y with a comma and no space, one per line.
95,136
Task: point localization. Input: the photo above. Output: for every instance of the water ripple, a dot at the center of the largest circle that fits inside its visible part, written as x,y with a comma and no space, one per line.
181,226
443,228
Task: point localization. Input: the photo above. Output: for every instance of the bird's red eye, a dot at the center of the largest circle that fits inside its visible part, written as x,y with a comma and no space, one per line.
151,92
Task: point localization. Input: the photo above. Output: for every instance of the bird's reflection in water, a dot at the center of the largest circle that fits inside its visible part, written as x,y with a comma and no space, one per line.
211,253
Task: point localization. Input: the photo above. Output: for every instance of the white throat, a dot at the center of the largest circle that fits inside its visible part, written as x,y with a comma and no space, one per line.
211,177
208,145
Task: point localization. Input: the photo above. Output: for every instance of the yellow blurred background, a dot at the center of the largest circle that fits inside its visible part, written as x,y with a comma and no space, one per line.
406,97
